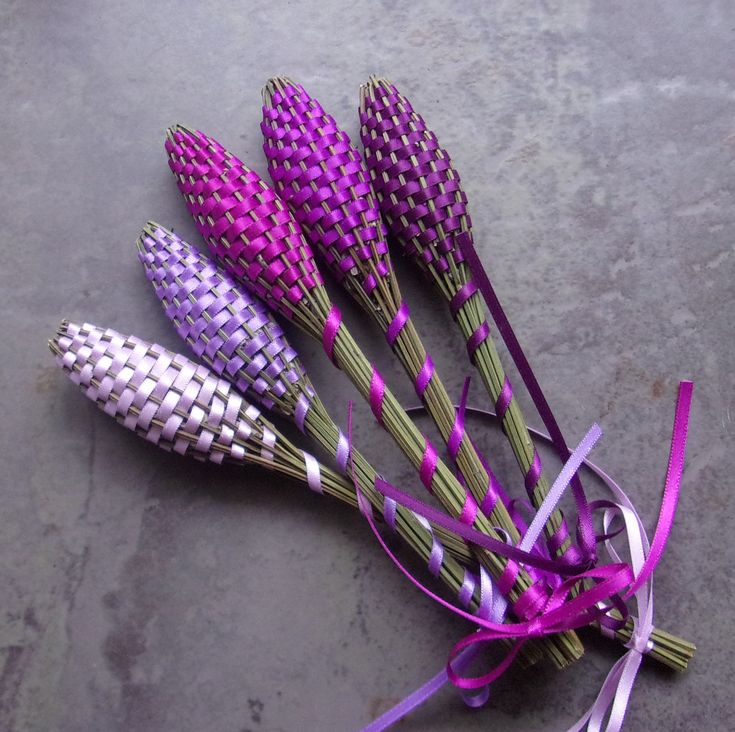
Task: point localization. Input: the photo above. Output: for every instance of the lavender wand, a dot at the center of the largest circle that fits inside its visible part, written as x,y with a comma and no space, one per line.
233,333
249,228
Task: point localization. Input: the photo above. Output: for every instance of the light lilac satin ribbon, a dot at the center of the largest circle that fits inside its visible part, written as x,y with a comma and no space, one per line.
498,609
619,683
617,687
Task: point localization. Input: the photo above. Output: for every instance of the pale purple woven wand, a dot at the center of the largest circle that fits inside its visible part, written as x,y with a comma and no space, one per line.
252,232
179,405
422,201
234,334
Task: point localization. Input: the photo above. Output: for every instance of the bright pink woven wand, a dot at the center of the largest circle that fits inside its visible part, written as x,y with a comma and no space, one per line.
249,228
422,201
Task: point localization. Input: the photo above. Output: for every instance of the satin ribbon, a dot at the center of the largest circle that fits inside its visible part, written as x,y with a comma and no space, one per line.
586,528
463,655
615,692
616,689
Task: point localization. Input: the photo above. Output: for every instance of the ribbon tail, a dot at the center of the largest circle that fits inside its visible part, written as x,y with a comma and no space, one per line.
625,687
424,692
672,484
602,701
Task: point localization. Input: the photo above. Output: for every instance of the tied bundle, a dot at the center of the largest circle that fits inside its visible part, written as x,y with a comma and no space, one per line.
251,231
233,333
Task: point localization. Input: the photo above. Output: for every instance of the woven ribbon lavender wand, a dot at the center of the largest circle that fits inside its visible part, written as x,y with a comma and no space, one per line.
426,209
422,201
233,333
235,336
252,232
179,405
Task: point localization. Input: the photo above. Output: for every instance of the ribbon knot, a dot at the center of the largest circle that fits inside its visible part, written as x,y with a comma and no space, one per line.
641,639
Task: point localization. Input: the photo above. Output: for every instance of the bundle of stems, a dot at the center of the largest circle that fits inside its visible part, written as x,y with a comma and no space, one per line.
233,333
236,337
422,201
184,407
249,228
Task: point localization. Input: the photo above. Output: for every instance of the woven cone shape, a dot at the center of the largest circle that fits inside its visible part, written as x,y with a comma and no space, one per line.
419,189
321,175
225,326
244,222
162,396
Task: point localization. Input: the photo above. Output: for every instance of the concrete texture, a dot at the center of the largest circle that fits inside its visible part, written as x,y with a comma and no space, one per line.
142,592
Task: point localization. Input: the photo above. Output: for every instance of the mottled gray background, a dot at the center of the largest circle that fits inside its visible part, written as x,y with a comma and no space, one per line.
596,140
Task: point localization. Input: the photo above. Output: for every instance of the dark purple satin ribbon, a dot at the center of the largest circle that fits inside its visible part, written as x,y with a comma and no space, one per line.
504,398
586,527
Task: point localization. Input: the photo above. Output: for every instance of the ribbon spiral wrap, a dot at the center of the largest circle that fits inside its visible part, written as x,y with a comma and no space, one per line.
243,220
225,326
321,175
161,396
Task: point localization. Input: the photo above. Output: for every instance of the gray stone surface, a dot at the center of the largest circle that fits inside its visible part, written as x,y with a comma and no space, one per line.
141,592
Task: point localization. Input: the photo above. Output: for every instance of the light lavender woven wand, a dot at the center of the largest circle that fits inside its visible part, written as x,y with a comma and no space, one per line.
179,405
233,333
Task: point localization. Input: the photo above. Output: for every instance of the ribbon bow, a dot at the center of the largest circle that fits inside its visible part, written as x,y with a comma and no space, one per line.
615,692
